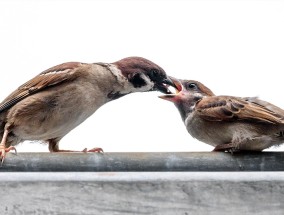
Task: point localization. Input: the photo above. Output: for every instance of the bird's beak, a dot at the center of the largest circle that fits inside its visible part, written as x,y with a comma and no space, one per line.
169,82
164,85
173,96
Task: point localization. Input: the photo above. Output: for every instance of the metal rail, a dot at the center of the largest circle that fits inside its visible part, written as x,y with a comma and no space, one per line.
143,162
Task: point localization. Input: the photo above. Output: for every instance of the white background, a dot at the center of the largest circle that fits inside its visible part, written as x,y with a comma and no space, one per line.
233,47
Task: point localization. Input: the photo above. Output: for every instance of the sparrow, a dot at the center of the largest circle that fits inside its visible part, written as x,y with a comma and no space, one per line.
227,123
51,104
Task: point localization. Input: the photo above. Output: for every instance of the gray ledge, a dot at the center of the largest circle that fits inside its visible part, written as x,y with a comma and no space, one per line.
139,162
143,183
120,193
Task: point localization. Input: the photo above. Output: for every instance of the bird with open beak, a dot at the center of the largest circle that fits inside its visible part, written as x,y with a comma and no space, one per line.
57,100
228,123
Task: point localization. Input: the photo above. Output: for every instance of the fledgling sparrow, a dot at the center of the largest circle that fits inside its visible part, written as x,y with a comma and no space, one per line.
57,100
228,123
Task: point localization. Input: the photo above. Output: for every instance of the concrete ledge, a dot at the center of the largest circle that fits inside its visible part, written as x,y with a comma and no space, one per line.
143,183
142,193
158,162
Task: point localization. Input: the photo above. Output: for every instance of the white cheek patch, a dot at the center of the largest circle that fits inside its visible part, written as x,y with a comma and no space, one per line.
149,84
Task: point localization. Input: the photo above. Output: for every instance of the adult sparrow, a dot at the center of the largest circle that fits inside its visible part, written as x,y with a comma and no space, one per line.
57,100
228,123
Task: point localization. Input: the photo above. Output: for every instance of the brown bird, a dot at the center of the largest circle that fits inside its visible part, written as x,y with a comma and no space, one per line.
228,123
57,100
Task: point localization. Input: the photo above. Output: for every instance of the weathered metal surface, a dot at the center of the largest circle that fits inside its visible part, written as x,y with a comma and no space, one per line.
184,193
119,162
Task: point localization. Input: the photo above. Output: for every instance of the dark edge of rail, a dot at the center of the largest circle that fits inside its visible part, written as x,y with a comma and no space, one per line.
143,162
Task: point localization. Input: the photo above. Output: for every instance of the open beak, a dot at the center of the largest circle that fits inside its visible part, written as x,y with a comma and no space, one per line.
173,96
164,86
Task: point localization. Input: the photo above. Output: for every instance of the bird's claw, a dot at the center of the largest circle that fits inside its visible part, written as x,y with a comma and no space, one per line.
230,147
98,150
4,150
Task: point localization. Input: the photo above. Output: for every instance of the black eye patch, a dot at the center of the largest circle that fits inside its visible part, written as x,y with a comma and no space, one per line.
137,81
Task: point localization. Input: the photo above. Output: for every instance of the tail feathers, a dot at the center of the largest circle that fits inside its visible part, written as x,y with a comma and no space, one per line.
266,104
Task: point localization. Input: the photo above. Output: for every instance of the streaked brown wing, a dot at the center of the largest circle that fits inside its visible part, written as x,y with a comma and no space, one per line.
47,78
227,108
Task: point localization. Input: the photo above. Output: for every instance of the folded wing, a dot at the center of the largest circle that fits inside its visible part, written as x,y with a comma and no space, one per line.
226,108
47,78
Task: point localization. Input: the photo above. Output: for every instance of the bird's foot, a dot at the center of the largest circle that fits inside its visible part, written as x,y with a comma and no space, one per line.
4,150
98,150
230,147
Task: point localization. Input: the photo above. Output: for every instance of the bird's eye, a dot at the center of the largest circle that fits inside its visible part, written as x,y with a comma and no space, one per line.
154,72
192,86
